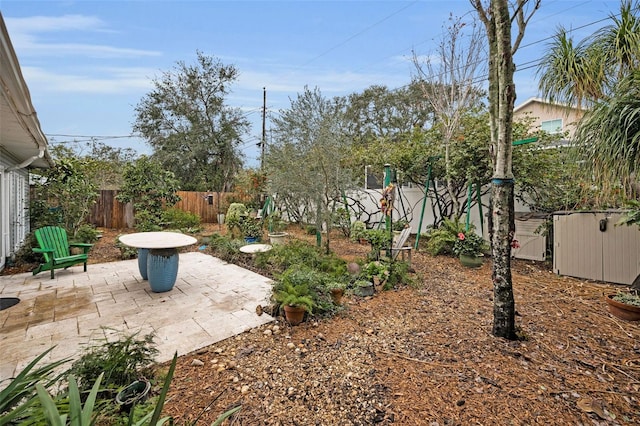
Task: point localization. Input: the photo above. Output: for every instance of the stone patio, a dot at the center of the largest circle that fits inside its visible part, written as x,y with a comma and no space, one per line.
211,301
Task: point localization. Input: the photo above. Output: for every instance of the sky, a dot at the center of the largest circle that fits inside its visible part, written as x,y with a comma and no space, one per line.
89,63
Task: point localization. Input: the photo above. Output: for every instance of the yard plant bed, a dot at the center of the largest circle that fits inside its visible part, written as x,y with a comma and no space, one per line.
424,356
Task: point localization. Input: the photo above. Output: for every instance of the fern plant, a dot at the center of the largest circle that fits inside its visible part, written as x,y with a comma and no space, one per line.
295,295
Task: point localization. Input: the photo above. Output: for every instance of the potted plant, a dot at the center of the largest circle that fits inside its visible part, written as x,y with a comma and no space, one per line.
358,232
470,248
363,288
275,226
336,288
625,305
295,300
251,228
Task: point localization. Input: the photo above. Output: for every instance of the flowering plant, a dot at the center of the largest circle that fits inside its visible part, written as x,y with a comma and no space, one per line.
470,244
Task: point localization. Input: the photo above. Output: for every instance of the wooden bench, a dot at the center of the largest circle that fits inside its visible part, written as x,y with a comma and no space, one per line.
56,250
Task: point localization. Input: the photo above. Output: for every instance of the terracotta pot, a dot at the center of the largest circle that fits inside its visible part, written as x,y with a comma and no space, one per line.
336,295
471,261
293,314
622,310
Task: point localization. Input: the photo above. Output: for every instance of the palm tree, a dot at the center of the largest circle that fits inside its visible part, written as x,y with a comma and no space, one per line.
609,138
602,72
586,72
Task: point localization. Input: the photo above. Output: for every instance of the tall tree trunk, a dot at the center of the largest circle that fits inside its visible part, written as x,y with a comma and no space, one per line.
502,95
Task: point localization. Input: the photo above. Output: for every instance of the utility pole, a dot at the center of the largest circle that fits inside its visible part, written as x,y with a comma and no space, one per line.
263,143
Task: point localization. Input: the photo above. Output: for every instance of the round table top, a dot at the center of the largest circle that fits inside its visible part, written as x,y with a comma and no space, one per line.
255,248
157,240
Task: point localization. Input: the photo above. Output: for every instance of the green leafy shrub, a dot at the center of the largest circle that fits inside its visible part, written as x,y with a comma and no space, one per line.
358,231
87,234
250,227
122,361
235,212
225,248
469,244
379,239
442,240
179,219
126,252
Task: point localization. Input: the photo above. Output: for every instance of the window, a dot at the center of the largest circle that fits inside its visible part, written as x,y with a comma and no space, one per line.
552,126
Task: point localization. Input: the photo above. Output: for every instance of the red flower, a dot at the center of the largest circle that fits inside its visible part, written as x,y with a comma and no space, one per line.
515,244
461,236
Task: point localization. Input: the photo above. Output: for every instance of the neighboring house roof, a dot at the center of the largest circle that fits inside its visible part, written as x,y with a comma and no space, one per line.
532,102
20,133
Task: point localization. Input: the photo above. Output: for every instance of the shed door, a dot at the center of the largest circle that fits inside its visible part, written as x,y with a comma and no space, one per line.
578,246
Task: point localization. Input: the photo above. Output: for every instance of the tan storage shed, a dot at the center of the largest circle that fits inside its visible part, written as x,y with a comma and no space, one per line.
590,245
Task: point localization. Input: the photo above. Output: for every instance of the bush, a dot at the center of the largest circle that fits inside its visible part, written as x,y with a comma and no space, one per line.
87,234
122,362
179,219
235,212
442,240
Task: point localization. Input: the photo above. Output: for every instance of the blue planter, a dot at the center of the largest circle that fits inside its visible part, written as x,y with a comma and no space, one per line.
162,269
250,240
143,253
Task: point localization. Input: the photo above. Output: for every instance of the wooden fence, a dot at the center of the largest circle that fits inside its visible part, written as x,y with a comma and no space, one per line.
108,212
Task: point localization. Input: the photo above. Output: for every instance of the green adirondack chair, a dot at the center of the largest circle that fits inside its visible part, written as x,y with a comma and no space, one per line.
56,250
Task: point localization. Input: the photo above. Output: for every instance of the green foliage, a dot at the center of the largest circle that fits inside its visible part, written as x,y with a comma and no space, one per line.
342,220
122,361
442,240
375,269
628,298
358,231
227,249
632,216
274,223
151,189
235,212
294,288
18,398
78,414
126,252
379,239
470,244
190,126
250,226
87,234
179,219
284,256
398,275
64,194
305,160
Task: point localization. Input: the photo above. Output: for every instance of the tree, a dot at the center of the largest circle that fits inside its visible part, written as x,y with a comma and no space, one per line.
305,162
497,19
191,129
447,80
64,194
150,188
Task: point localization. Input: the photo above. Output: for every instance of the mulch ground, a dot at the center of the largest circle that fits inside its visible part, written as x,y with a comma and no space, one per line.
423,355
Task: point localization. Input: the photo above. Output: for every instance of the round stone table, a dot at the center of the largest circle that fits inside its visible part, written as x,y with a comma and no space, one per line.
158,256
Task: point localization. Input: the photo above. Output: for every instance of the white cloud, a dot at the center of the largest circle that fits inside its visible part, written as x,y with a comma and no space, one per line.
115,81
25,32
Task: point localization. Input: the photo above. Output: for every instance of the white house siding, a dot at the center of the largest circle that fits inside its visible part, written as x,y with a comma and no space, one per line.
14,208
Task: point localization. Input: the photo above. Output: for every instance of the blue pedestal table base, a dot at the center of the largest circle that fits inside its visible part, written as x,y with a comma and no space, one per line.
162,269
143,253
